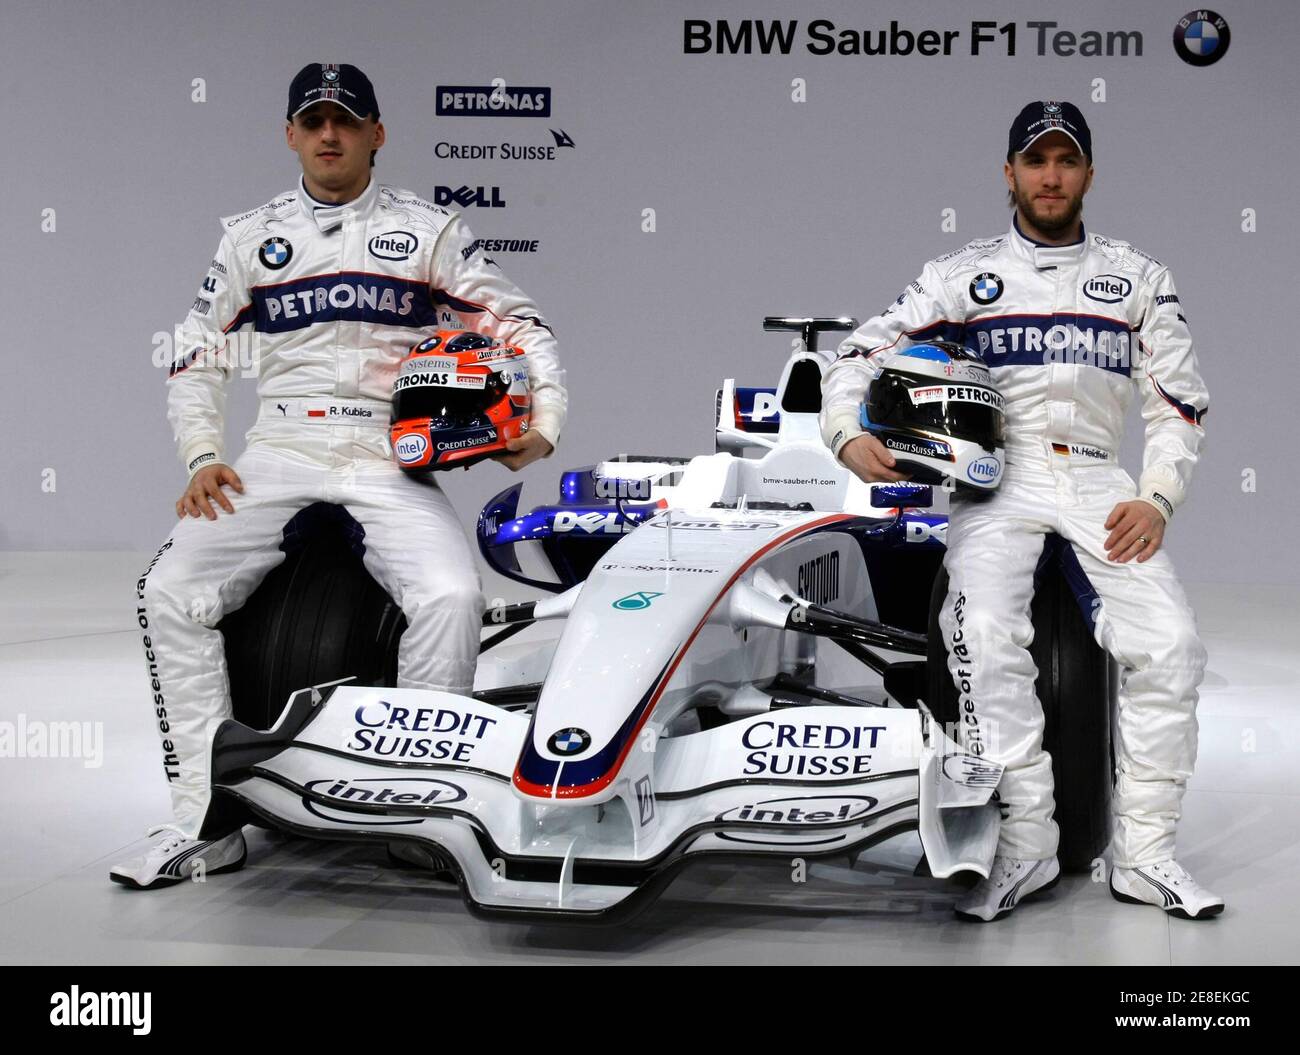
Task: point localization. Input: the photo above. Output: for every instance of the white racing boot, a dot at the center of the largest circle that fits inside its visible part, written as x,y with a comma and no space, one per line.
174,858
1166,885
1010,881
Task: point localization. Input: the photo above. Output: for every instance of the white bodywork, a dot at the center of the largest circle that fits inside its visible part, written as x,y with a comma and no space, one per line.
612,779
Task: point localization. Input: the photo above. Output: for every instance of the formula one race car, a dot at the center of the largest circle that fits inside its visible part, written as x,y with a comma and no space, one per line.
744,659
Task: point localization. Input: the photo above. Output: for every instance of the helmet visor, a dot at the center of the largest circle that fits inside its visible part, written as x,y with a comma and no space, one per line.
962,410
448,406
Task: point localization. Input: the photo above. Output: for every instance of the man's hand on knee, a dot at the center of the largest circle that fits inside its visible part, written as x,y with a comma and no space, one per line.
1136,530
206,485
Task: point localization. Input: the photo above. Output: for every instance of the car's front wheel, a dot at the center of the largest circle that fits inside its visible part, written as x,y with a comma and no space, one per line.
318,617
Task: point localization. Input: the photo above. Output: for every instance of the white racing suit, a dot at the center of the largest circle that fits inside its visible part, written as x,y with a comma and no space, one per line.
334,297
1068,333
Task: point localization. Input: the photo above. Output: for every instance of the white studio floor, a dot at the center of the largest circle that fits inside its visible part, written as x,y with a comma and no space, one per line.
69,652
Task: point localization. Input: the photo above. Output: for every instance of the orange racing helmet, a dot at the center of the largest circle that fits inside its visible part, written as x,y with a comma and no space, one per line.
458,397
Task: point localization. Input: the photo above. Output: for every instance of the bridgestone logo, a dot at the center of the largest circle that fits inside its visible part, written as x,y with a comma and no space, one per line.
200,460
500,245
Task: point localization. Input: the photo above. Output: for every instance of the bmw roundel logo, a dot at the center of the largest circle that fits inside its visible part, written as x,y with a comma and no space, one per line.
1201,37
330,75
985,288
569,742
1051,108
275,253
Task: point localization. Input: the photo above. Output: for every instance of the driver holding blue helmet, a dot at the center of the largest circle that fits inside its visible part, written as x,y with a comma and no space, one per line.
1070,324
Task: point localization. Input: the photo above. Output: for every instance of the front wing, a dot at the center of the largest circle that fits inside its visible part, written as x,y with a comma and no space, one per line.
406,764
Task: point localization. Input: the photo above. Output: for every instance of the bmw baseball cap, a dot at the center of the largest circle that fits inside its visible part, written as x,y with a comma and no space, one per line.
1037,119
332,82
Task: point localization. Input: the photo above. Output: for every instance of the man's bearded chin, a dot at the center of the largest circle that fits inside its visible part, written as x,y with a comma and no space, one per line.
1052,225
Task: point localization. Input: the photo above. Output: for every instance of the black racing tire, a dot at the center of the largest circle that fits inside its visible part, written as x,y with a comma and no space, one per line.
1077,687
317,617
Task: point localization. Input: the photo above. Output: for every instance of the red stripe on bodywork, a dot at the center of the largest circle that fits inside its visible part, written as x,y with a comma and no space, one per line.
582,791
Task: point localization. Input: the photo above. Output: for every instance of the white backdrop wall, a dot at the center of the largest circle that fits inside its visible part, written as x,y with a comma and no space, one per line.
779,183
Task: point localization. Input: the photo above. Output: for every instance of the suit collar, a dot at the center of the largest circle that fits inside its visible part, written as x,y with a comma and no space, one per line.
328,217
1047,256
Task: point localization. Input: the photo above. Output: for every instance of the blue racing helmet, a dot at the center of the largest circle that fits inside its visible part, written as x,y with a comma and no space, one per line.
935,408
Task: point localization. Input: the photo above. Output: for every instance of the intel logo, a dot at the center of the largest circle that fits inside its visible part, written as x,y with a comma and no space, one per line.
813,809
375,802
1107,289
395,245
411,448
388,791
985,470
